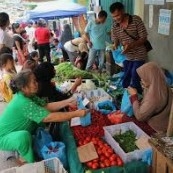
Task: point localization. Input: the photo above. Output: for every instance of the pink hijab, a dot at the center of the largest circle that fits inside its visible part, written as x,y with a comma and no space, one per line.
155,96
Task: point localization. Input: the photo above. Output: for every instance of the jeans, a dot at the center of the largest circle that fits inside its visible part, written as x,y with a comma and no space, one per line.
44,50
92,57
131,77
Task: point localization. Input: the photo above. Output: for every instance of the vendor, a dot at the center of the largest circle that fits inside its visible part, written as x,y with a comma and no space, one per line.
157,99
44,73
25,111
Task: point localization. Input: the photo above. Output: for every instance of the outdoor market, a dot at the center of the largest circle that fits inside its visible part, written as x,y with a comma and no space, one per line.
95,82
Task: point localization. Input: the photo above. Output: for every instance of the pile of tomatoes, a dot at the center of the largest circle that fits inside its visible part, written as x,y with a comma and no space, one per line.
106,155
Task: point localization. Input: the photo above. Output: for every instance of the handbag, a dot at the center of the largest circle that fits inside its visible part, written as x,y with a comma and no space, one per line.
147,44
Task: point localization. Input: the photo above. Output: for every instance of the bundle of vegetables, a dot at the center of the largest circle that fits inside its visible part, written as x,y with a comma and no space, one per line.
126,141
106,155
66,70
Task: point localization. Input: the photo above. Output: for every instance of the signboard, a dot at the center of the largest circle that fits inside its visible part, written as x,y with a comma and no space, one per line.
164,22
155,2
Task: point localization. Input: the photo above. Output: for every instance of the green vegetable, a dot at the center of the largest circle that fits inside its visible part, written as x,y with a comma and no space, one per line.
126,141
67,71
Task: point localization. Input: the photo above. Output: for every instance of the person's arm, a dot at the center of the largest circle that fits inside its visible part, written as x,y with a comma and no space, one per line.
54,106
2,45
87,37
63,116
142,34
142,111
19,50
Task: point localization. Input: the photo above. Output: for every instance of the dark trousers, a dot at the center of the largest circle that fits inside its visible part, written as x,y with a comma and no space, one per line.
44,50
131,77
65,54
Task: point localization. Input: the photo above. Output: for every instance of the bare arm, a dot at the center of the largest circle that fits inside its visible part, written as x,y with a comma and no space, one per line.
63,116
19,49
54,106
2,45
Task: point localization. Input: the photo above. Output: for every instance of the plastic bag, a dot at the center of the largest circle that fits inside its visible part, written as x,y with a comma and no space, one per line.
106,107
118,57
147,156
126,106
41,138
55,149
86,120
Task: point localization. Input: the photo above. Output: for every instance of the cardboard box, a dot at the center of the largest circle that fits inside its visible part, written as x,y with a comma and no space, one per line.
110,131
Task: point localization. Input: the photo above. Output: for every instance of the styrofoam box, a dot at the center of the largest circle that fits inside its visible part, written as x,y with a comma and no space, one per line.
110,131
45,166
94,96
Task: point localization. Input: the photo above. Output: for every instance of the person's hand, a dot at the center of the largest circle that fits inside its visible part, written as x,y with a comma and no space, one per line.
72,101
127,47
132,91
82,112
78,81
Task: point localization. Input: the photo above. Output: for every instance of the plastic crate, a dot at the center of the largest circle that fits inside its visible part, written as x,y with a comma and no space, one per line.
46,166
110,131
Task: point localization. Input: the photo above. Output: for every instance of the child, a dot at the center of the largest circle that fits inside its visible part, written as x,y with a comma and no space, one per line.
32,61
81,60
7,67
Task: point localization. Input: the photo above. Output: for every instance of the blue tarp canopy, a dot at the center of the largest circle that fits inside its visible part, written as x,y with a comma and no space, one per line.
53,9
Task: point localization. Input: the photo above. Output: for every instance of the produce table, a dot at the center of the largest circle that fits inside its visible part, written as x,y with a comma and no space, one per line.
75,166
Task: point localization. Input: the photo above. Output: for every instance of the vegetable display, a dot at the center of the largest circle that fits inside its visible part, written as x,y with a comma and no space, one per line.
66,70
126,140
107,157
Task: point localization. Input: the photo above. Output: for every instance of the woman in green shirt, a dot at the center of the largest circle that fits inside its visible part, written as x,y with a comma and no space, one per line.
25,111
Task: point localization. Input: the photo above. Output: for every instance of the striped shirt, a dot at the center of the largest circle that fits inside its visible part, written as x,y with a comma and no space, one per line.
135,28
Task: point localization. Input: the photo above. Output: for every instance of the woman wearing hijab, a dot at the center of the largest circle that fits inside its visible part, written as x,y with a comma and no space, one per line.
66,36
157,99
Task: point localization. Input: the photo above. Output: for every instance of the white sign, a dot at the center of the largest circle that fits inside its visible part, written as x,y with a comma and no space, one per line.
150,16
155,2
164,22
169,0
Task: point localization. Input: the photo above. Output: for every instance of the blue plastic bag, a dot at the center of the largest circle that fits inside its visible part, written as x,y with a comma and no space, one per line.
147,156
101,106
86,120
41,138
55,149
126,106
118,57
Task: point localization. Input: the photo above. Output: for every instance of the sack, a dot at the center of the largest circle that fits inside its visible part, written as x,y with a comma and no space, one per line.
126,106
41,139
118,57
55,149
148,46
5,91
106,107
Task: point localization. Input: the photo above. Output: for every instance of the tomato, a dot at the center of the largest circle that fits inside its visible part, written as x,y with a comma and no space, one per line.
88,139
107,163
107,154
102,165
119,161
80,142
89,164
102,158
99,151
95,166
110,150
113,157
95,160
113,163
